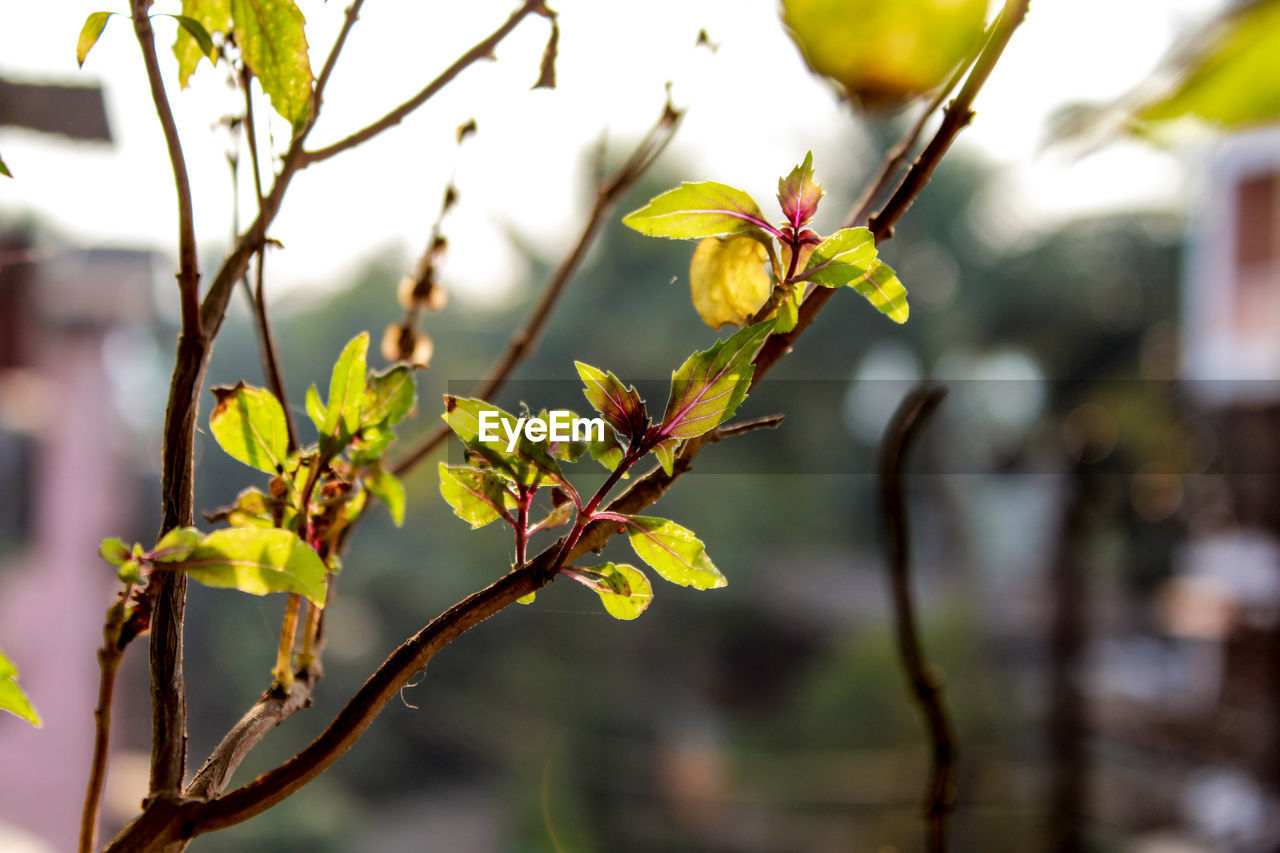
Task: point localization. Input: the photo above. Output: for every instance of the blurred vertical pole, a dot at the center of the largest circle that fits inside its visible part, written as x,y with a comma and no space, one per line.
1066,724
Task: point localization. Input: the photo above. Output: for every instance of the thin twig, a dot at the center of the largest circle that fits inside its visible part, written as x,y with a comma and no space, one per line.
926,684
483,50
168,692
108,663
266,340
525,339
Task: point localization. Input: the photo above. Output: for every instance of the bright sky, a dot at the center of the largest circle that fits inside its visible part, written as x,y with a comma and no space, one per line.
753,111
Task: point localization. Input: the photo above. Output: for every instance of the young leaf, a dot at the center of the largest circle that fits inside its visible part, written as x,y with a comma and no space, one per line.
673,552
841,258
623,589
346,393
727,279
315,407
882,289
609,452
706,209
389,396
249,425
4,170
665,450
274,45
620,405
387,488
528,463
257,561
252,508
114,551
789,310
710,385
212,16
476,496
12,699
557,517
799,193
89,34
177,545
572,449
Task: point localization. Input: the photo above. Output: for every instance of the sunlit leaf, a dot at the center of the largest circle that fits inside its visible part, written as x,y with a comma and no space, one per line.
527,462
623,589
177,545
608,452
387,488
315,407
273,42
841,258
728,280
665,450
710,385
114,551
882,289
257,561
673,552
4,170
389,396
881,53
213,16
620,405
249,424
12,699
706,209
557,517
476,496
346,394
89,34
799,193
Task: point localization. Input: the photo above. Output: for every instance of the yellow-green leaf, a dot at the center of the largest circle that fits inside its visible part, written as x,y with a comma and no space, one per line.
708,388
882,289
249,424
841,258
623,589
89,34
346,394
728,280
476,496
212,16
273,42
673,552
388,488
705,209
257,561
12,699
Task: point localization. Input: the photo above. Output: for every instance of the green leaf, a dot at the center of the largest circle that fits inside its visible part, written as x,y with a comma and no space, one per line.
706,209
389,396
346,394
4,170
476,496
89,34
130,571
12,699
177,545
114,551
273,42
257,561
371,444
210,16
620,405
557,517
252,508
387,488
623,589
526,599
799,193
249,424
789,310
882,289
528,463
609,452
673,552
315,407
841,258
665,450
710,385
1235,81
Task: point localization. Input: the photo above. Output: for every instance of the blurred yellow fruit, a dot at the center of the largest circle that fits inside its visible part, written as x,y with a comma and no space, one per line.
884,53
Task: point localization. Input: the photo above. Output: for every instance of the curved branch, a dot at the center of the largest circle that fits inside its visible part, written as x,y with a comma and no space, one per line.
524,339
926,685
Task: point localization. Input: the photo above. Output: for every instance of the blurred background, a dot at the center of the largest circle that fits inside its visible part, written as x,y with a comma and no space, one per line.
1096,509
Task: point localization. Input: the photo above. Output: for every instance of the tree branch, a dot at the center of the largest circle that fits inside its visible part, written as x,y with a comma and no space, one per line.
523,341
168,692
926,684
483,50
